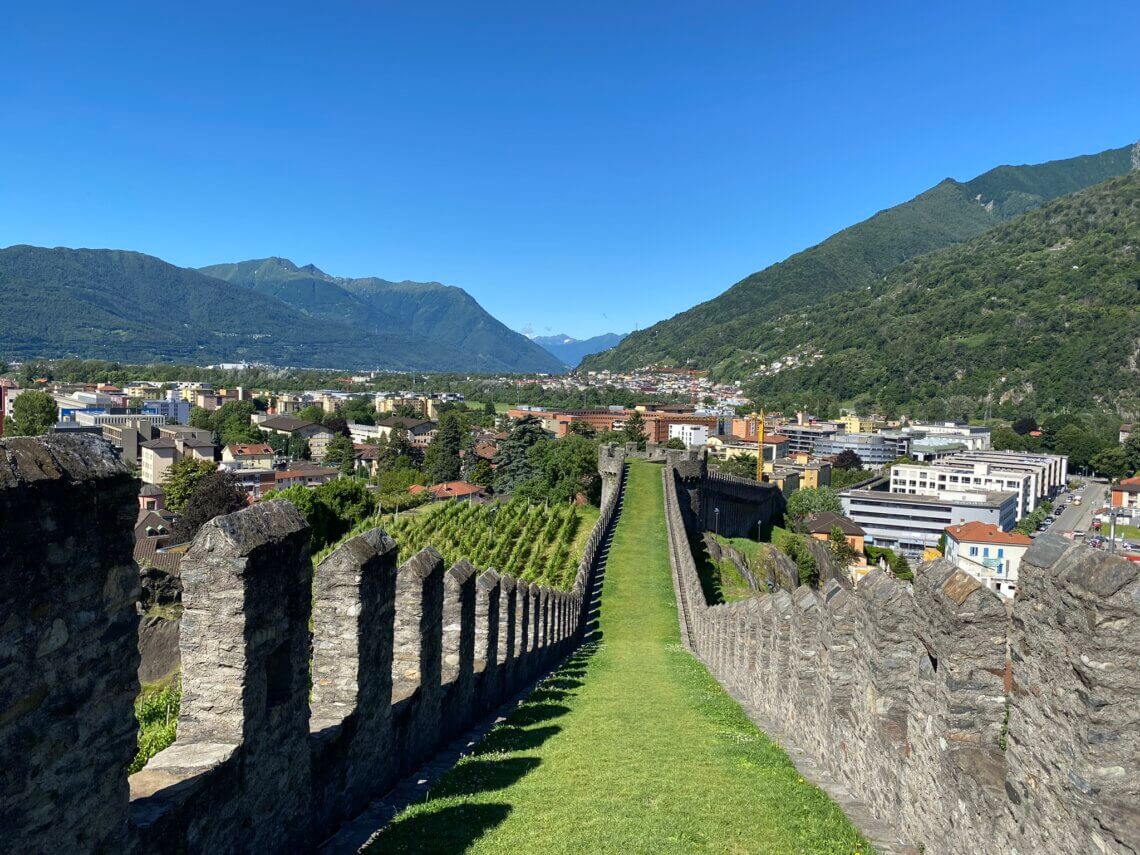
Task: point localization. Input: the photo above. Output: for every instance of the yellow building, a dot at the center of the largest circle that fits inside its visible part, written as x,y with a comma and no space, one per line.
853,423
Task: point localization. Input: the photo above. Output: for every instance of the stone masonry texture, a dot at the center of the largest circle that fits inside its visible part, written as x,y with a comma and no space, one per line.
386,649
957,721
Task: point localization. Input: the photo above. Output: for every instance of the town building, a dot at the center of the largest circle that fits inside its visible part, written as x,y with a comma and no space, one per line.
318,436
172,409
255,455
874,449
929,449
1050,472
819,526
929,480
255,481
987,553
853,423
910,523
1126,494
158,455
304,475
809,473
974,437
461,491
803,437
694,436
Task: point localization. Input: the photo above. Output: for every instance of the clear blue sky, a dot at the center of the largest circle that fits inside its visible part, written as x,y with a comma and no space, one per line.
578,167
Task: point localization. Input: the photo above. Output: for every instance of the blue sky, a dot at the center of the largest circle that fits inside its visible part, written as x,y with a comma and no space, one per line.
577,167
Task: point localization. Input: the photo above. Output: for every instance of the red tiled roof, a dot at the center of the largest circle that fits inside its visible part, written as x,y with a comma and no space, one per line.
243,448
979,532
448,489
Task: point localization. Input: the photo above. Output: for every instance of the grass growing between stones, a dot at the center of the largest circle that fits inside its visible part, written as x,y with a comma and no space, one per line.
631,747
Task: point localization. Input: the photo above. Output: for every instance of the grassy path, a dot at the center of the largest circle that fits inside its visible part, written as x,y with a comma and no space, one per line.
632,747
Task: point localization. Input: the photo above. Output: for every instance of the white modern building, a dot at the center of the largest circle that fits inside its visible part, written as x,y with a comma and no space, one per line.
917,479
988,554
694,436
909,523
1049,471
975,437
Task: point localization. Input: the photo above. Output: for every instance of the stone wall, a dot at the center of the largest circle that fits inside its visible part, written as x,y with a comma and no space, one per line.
285,731
965,725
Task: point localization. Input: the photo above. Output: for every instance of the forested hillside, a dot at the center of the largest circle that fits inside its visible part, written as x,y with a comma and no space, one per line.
720,333
130,307
440,320
1040,314
127,306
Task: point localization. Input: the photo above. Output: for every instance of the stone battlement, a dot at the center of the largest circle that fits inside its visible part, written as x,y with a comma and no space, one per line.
305,694
963,724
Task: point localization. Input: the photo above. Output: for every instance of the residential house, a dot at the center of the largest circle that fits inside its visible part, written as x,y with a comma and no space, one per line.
305,475
318,436
158,455
420,431
451,490
987,553
819,526
256,455
1126,494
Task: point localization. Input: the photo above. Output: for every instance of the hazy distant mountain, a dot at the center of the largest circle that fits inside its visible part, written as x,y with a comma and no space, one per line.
130,307
444,323
725,334
570,351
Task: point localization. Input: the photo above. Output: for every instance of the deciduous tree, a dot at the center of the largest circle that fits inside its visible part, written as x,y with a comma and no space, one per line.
33,414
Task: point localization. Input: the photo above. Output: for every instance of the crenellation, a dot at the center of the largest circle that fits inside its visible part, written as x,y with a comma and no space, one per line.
902,691
417,655
506,653
351,718
460,623
245,699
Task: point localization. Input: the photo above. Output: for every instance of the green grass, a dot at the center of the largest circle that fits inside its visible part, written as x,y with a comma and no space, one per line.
721,580
1128,532
631,747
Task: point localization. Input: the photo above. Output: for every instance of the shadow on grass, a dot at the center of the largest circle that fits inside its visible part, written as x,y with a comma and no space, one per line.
434,825
447,830
482,776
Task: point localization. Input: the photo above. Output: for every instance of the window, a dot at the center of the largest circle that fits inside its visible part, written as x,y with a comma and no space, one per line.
986,552
1001,553
973,550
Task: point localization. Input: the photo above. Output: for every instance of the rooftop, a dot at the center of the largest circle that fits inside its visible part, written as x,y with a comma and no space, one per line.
824,522
285,423
979,532
981,499
449,489
242,449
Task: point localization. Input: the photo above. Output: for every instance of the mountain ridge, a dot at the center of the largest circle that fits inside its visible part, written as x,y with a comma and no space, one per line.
443,315
571,351
128,306
714,331
1038,314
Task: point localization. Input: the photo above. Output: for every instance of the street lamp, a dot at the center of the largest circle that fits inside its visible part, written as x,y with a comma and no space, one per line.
716,521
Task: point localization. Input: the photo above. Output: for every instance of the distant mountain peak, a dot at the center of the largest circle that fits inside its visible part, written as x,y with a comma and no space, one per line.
571,350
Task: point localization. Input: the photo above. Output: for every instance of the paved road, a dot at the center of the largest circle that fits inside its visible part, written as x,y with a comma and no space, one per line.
1080,518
